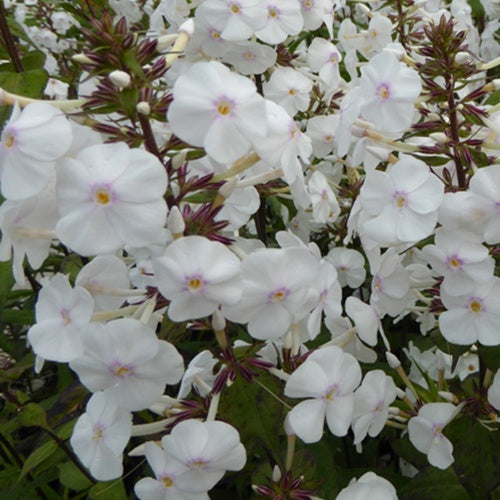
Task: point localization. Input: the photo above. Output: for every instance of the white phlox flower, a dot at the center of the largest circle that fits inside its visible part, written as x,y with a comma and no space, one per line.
278,290
370,486
474,316
371,404
402,202
486,184
389,89
288,88
238,207
494,392
324,58
338,327
285,145
325,206
62,313
31,142
321,130
197,275
330,295
350,266
205,450
104,277
366,319
125,359
250,58
217,109
110,196
426,433
236,20
100,436
283,18
166,471
315,13
27,229
390,285
199,368
328,377
460,258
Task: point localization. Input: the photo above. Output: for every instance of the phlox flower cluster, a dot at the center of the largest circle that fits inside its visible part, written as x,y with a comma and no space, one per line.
272,190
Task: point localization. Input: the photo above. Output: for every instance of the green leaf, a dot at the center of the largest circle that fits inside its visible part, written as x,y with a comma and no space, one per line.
16,317
33,415
432,483
71,477
38,456
490,356
110,490
493,98
30,83
477,460
254,411
32,60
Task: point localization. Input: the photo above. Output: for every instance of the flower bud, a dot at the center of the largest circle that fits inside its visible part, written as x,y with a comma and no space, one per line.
120,78
392,360
143,108
175,222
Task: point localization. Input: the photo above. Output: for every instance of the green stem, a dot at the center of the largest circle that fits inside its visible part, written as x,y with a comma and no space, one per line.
60,442
8,39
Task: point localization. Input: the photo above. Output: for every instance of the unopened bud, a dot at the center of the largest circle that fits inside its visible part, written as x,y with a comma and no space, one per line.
143,108
392,360
82,59
175,222
187,27
462,58
400,393
439,137
120,78
178,160
165,41
276,476
433,116
218,321
226,190
448,396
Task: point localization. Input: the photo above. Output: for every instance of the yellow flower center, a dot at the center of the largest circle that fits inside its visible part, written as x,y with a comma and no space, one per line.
235,8
454,262
279,296
400,201
272,12
66,317
97,434
292,91
197,464
167,482
224,108
475,306
195,283
9,140
383,92
122,371
102,196
215,34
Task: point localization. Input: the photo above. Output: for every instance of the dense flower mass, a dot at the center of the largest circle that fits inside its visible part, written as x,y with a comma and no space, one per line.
296,200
